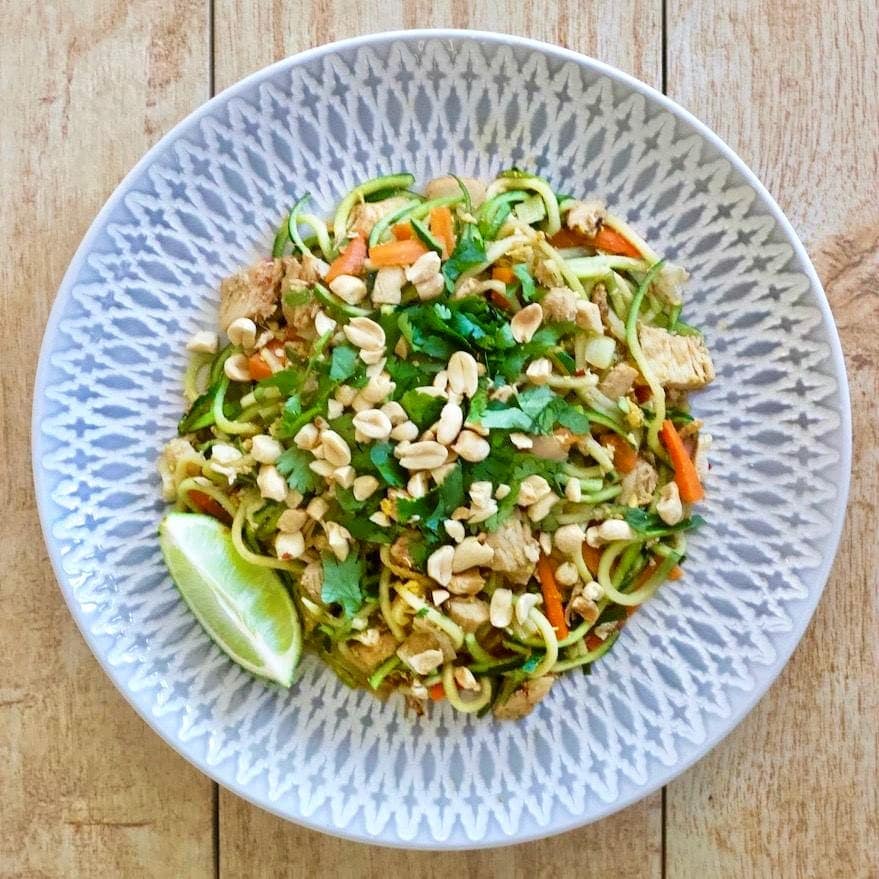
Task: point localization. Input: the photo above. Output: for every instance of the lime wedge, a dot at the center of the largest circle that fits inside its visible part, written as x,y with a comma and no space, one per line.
244,607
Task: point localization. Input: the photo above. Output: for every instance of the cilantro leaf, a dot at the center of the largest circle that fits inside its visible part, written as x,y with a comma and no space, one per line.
528,286
344,363
382,457
290,416
650,525
468,252
408,374
419,337
574,418
422,408
287,381
293,466
342,582
509,418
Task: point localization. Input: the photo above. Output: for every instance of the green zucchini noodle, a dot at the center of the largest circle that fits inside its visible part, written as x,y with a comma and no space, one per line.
456,425
264,561
453,694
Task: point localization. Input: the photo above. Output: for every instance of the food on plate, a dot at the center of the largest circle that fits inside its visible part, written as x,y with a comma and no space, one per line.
448,432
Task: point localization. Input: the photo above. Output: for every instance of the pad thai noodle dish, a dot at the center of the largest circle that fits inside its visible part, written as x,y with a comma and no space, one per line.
442,442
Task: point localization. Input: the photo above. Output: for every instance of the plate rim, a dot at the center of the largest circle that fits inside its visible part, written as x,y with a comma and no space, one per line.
800,620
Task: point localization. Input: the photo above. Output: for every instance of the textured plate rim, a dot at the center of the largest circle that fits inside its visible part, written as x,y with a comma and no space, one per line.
800,621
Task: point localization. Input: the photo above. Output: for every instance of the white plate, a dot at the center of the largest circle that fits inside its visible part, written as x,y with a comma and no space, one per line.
206,200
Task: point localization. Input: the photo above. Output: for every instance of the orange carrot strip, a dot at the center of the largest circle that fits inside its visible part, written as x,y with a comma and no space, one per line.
625,458
396,253
206,504
259,369
552,598
611,241
442,227
402,231
437,692
504,274
350,261
568,238
593,642
685,472
591,556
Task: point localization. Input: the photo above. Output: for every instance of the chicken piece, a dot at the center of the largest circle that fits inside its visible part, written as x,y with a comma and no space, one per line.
441,640
367,657
586,217
311,582
681,362
178,452
559,305
421,652
366,214
468,613
525,698
516,550
252,292
669,281
585,608
401,554
638,485
307,268
554,446
444,186
618,381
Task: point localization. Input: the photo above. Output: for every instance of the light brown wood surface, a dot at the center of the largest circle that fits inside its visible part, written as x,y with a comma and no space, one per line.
86,789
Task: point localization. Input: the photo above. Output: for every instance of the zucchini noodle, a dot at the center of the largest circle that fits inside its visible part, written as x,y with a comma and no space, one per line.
586,658
547,632
450,688
641,361
534,184
451,628
264,561
384,600
206,487
340,220
223,423
414,210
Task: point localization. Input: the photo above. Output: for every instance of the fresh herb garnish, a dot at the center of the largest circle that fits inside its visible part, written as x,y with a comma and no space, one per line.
293,466
341,583
650,525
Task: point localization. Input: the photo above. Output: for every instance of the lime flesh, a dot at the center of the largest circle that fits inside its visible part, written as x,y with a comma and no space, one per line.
244,607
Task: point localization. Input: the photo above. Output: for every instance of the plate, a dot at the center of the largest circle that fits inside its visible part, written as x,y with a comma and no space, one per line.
206,199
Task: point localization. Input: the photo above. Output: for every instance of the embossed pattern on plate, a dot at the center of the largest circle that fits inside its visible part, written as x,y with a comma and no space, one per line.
206,200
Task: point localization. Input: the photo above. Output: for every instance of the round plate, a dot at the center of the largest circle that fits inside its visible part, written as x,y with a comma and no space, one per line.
206,200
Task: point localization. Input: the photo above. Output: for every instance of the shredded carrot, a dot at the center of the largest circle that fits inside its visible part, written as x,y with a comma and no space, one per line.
676,573
402,231
500,300
442,227
437,692
552,598
504,274
686,476
593,642
350,261
209,506
642,393
591,556
259,369
611,241
625,458
396,253
568,238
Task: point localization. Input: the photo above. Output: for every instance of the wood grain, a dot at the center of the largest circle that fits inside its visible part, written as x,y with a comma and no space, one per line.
248,35
794,88
86,788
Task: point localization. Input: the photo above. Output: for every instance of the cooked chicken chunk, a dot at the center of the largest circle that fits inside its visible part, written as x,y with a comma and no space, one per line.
421,652
618,381
681,362
444,186
367,657
311,582
586,217
525,698
563,304
468,613
252,292
515,550
638,485
366,214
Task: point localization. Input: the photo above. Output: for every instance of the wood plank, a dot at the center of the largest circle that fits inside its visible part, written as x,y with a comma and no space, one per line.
248,35
795,90
88,789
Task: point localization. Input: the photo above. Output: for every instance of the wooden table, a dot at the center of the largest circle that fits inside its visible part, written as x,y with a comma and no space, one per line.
86,789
